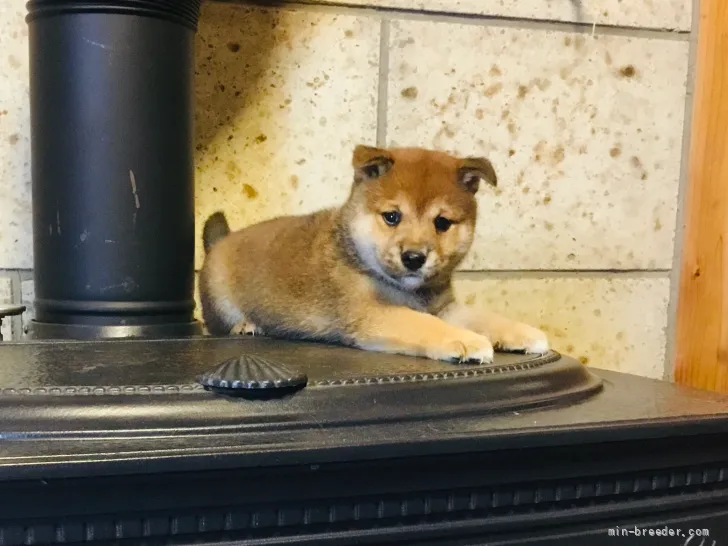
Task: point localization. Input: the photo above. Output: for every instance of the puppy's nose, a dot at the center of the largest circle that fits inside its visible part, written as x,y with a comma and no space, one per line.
413,260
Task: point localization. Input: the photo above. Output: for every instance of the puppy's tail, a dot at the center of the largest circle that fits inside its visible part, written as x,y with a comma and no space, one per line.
216,227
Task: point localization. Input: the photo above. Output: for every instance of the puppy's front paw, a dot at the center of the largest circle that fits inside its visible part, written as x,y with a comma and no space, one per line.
468,347
523,338
245,328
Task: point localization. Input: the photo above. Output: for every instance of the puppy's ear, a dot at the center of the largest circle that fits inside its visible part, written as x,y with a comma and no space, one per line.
370,163
474,169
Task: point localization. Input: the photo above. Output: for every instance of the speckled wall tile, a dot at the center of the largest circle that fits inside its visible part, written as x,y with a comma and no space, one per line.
610,323
6,296
585,134
282,98
15,221
656,14
27,295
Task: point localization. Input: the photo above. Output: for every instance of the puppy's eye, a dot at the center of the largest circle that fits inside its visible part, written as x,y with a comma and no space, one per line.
375,170
392,217
371,171
442,224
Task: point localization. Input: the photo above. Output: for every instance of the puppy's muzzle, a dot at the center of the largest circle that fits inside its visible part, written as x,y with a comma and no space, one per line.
413,260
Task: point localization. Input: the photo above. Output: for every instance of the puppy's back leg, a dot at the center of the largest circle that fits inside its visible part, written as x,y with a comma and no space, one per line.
401,330
220,314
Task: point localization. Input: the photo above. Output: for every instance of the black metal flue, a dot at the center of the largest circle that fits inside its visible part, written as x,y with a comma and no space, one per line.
111,93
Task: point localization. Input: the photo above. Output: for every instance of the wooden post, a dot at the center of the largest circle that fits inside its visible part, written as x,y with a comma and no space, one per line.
701,348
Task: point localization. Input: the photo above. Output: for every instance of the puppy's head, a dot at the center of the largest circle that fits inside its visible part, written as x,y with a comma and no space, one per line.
411,212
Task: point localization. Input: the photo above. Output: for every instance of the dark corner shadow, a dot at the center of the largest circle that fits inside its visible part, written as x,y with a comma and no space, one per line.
232,53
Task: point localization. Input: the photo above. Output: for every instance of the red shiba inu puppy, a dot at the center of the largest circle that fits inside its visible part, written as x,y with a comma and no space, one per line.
375,273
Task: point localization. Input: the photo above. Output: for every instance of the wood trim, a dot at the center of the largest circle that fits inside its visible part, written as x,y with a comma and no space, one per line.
701,345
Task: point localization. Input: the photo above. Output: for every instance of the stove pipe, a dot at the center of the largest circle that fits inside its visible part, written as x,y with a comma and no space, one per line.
111,103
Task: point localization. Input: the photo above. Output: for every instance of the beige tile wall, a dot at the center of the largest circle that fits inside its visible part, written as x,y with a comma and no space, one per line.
586,135
15,232
584,123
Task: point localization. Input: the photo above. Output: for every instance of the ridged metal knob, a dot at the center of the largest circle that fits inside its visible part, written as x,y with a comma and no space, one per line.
253,376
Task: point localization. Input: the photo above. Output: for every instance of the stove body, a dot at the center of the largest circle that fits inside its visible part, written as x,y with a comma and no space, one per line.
117,442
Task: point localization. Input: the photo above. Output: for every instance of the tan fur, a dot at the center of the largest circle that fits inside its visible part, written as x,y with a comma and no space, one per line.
338,275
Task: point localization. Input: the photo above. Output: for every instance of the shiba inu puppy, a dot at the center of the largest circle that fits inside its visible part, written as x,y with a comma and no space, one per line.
374,273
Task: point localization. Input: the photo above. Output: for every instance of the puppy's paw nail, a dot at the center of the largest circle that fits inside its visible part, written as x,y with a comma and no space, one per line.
538,346
245,329
484,356
525,339
536,342
473,350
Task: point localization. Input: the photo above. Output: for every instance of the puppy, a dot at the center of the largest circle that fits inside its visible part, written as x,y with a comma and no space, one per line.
375,273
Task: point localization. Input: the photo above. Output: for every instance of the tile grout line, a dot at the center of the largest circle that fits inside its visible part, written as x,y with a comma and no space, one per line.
606,273
8,276
473,19
16,276
25,275
565,274
537,24
671,326
383,84
16,323
13,277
